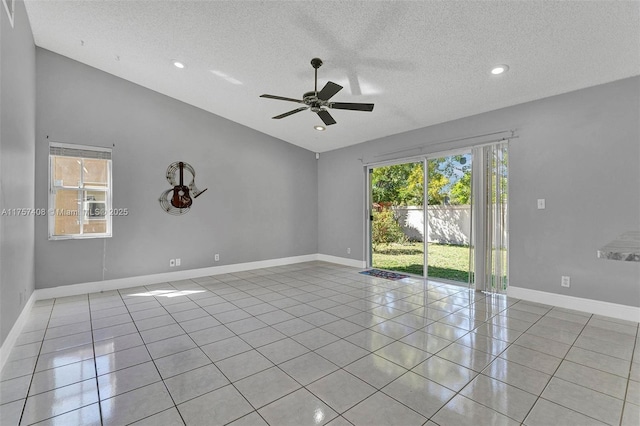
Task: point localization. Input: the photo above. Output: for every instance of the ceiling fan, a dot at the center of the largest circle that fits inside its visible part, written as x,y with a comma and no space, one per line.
319,101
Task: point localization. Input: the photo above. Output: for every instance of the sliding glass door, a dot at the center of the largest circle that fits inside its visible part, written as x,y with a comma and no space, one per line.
448,214
397,217
443,217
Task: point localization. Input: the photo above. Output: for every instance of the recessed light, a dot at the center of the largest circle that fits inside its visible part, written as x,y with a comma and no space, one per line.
499,69
319,128
178,64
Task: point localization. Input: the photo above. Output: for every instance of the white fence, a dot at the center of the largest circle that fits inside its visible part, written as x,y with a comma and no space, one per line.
447,224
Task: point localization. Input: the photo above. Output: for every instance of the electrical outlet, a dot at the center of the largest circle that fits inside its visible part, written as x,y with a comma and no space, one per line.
172,263
348,250
177,262
541,204
216,257
566,281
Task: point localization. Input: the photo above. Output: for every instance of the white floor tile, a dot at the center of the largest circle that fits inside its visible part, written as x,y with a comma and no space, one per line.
47,380
195,383
180,362
85,416
348,338
308,368
219,407
465,412
265,387
380,409
420,394
127,379
300,408
135,405
245,364
341,390
58,401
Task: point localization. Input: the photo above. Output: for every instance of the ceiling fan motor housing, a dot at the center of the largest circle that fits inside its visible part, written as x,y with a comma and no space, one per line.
311,99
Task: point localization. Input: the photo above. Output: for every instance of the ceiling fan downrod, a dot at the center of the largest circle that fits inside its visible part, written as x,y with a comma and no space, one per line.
316,63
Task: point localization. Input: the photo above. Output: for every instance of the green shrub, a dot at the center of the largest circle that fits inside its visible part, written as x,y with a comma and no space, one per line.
386,229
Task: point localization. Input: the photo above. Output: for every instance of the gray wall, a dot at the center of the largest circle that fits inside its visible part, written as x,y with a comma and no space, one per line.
580,151
262,197
17,151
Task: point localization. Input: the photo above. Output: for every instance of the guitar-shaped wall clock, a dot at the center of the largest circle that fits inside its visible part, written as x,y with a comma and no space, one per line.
178,200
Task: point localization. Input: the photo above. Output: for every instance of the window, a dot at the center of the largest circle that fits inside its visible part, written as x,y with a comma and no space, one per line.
79,191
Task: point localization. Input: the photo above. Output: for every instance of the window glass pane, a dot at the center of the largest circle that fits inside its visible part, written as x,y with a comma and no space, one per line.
95,205
449,218
66,212
397,227
95,227
80,194
95,172
66,171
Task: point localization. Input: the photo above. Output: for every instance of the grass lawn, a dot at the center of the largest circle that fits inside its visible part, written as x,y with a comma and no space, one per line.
445,261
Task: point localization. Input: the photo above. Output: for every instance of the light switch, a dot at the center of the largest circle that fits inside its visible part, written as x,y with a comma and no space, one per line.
540,203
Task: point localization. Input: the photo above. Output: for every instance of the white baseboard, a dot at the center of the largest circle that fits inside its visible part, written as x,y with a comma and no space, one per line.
120,283
614,310
12,337
342,261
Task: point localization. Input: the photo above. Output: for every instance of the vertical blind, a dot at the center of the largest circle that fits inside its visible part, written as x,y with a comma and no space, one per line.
496,226
490,228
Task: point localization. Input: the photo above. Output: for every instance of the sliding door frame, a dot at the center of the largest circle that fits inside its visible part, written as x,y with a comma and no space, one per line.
368,170
441,154
478,207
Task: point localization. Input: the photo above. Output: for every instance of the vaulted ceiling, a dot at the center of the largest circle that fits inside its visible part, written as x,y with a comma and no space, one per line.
420,62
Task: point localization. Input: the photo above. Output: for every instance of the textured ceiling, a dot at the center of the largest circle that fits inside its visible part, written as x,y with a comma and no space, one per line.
420,62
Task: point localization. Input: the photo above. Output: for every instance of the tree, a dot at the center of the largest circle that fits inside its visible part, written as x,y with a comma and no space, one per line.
437,182
387,181
413,192
403,184
461,190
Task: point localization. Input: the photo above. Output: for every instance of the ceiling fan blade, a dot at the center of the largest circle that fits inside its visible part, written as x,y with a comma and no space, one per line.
326,117
351,106
282,98
329,90
286,114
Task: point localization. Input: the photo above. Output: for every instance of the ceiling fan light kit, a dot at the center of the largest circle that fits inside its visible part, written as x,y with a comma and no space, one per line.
318,102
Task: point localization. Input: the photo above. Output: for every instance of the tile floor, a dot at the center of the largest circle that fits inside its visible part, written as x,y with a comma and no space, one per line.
317,343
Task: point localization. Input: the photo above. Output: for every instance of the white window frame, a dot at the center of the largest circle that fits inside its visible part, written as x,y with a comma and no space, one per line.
80,152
